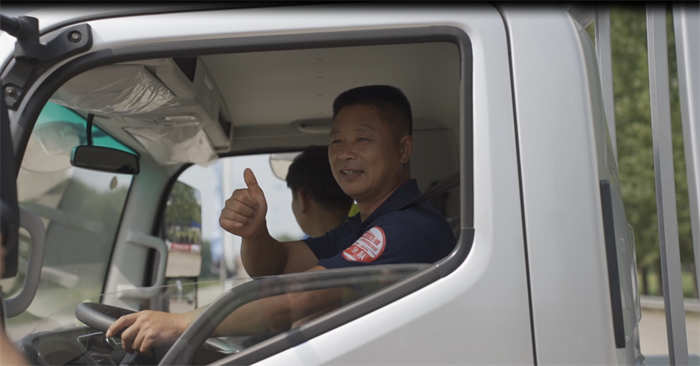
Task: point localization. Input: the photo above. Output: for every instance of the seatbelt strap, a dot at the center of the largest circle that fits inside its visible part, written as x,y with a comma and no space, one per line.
445,185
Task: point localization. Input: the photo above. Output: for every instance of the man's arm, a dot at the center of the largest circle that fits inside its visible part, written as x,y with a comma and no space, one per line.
267,256
147,329
277,313
262,255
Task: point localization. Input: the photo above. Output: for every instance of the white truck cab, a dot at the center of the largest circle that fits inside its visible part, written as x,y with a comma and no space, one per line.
544,270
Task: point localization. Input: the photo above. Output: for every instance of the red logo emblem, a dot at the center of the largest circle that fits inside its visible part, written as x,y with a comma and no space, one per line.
368,247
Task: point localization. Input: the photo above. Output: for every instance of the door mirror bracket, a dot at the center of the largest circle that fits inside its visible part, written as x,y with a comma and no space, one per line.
32,57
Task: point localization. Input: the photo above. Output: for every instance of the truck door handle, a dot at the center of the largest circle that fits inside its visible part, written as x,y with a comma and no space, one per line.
127,291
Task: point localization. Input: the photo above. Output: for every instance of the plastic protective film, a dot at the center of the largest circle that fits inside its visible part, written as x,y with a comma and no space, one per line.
115,90
176,144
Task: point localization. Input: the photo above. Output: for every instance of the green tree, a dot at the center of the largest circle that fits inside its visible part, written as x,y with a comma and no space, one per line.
634,134
183,206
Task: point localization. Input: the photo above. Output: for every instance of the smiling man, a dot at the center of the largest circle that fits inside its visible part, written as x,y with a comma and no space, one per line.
369,151
370,147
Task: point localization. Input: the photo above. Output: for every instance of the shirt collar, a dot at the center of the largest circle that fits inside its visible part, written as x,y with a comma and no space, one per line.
396,201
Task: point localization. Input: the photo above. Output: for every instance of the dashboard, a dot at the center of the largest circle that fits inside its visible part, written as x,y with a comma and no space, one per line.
80,346
87,346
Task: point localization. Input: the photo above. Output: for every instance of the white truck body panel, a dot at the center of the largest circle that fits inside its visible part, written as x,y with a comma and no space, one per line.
560,190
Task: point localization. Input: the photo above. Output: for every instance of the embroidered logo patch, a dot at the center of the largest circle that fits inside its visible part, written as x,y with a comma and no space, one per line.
368,247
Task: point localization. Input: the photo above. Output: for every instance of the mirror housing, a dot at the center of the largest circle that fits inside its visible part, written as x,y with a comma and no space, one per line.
280,162
104,159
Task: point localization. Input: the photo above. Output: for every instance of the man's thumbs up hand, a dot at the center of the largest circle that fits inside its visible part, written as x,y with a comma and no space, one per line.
244,213
252,184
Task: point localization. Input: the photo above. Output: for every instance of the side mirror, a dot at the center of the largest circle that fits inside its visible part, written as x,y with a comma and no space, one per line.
104,159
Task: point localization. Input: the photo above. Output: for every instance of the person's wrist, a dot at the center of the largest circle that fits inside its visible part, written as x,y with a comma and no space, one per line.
261,234
185,320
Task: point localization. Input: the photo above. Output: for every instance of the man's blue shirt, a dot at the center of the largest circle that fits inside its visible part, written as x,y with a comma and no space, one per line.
418,234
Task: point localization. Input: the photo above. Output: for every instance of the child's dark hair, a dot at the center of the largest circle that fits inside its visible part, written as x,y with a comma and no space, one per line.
311,173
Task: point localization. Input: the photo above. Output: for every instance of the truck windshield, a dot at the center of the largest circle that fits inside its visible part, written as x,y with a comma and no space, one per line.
80,209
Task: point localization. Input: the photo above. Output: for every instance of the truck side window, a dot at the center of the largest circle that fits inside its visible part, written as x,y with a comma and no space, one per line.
220,264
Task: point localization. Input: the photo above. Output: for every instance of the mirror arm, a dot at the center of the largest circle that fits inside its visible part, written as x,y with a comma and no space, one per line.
90,119
33,58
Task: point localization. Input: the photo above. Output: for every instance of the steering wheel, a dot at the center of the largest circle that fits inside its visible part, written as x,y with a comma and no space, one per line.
101,317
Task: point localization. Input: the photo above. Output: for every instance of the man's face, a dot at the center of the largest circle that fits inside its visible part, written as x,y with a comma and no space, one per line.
365,156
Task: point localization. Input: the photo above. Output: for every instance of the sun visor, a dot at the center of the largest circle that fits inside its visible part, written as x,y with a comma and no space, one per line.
176,144
115,90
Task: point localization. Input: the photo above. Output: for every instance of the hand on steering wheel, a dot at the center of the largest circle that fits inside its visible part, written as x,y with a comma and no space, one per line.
148,329
140,332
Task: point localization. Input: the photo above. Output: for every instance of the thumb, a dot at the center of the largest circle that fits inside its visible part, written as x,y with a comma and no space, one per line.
251,182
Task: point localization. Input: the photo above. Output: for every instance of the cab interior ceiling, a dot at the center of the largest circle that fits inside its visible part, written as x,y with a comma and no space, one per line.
282,99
